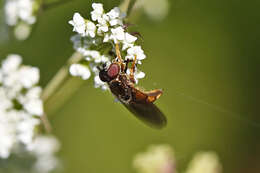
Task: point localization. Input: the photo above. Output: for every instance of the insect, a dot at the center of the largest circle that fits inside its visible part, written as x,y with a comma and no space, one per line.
122,86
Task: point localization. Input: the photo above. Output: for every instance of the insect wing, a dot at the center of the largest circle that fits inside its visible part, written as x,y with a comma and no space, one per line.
148,113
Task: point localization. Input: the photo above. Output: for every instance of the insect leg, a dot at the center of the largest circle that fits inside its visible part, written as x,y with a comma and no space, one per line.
126,64
153,95
132,70
120,60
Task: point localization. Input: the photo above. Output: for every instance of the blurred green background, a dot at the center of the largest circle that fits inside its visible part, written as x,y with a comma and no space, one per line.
204,54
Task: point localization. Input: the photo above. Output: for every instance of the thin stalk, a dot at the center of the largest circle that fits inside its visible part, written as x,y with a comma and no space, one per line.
60,77
63,94
55,83
127,5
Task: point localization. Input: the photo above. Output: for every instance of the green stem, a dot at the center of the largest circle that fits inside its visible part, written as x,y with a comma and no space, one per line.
127,5
56,83
60,77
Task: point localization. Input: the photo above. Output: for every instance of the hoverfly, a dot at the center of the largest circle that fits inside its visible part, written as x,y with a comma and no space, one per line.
122,86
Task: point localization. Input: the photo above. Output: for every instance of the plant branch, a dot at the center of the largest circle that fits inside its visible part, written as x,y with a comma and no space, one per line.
60,77
127,5
55,83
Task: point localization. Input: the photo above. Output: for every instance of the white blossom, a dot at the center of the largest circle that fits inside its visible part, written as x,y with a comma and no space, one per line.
34,106
97,11
137,75
25,11
7,133
11,12
11,63
80,70
97,43
103,24
79,24
128,41
20,103
32,76
44,148
16,10
91,29
115,16
156,10
205,162
22,31
137,52
99,84
118,34
157,159
25,127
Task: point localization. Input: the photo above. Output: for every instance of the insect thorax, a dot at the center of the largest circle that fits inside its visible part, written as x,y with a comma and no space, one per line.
121,88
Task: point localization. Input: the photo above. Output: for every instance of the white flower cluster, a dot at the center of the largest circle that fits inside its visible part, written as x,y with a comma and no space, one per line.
157,159
44,149
20,106
160,159
156,10
21,14
38,157
205,162
97,38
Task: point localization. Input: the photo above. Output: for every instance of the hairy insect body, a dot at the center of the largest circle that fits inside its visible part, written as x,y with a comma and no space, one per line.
121,87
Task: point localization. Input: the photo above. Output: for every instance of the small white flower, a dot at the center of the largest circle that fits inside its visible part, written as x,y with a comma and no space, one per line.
44,148
157,159
101,59
118,34
137,75
156,10
115,16
20,102
106,38
34,92
25,11
11,12
29,76
79,24
91,54
11,63
49,145
103,24
135,51
5,103
205,162
7,139
21,14
100,84
25,128
97,11
114,13
129,41
80,70
91,29
34,106
22,31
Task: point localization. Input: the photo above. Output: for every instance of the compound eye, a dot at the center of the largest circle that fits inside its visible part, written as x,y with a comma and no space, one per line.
113,70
